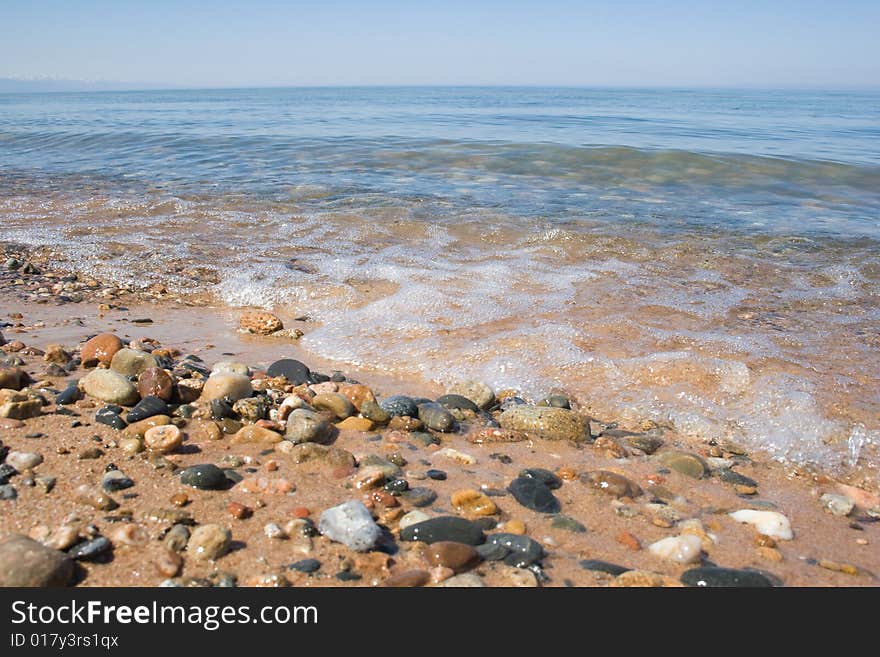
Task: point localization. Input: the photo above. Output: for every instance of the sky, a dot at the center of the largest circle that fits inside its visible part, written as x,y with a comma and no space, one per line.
734,43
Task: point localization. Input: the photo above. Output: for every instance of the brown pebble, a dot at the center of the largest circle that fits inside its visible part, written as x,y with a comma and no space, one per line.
472,502
408,579
610,448
611,483
515,527
239,511
450,554
847,568
156,382
168,563
764,541
271,466
566,473
496,435
179,499
628,540
769,553
163,439
100,349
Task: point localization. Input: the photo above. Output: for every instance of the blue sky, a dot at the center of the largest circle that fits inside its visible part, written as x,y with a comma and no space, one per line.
776,43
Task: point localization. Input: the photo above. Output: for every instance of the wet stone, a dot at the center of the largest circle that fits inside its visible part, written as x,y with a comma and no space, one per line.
69,395
6,472
399,406
458,557
477,391
115,480
293,370
686,463
522,550
408,579
549,479
147,407
419,496
492,552
545,422
205,476
437,475
724,577
209,542
444,528
436,417
91,550
457,401
611,483
155,381
533,494
603,567
735,478
568,524
351,524
109,415
647,444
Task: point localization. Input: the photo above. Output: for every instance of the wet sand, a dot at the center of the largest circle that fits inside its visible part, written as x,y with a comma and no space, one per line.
671,500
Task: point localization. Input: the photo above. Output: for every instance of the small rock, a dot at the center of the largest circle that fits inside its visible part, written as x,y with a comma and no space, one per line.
155,382
95,498
294,371
686,463
139,429
163,439
711,576
465,580
420,496
681,549
251,433
545,422
611,483
109,415
19,405
304,426
770,523
459,557
226,386
132,362
603,567
355,424
334,403
272,530
115,480
100,349
443,528
436,417
27,563
568,524
205,476
147,407
91,550
549,479
11,378
350,523
477,392
8,492
644,578
533,494
522,550
399,405
168,563
408,579
455,455
22,461
305,565
495,435
209,542
472,502
837,505
259,322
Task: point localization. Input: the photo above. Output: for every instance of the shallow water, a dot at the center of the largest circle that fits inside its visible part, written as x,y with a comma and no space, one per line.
702,259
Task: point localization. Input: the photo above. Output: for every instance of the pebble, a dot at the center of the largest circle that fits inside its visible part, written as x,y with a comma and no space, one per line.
455,455
568,524
534,494
419,496
109,415
110,387
443,528
163,439
436,417
603,567
176,538
251,433
305,565
412,518
644,578
495,435
399,405
437,475
8,492
209,542
686,463
849,569
356,424
472,502
476,391
131,362
408,579
155,382
549,479
100,349
769,523
273,530
115,480
205,476
168,563
6,471
69,395
545,422
373,412
404,423
22,461
226,386
611,483
259,322
645,443
147,407
837,505
26,563
465,580
459,557
304,426
19,405
357,394
334,403
91,550
95,498
294,371
712,576
522,551
11,377
730,477
458,402
686,548
350,523
130,534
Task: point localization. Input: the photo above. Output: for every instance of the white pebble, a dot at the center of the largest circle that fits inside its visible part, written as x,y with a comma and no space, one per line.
272,530
681,549
455,455
768,523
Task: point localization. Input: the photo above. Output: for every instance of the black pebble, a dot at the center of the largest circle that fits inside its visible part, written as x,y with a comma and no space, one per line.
548,478
444,528
603,567
724,577
438,475
305,565
534,494
109,415
147,407
205,476
293,370
90,550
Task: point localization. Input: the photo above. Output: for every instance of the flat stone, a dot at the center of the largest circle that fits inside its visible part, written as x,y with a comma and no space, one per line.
305,426
566,523
603,567
837,505
139,429
355,424
305,565
522,550
419,496
115,480
95,498
471,502
711,576
205,476
253,434
549,479
457,401
769,523
444,528
110,387
16,405
611,483
495,435
686,463
91,550
163,439
351,524
408,579
545,422
458,557
147,407
109,415
686,548
373,412
645,443
294,371
27,563
131,362
334,403
735,478
534,494
22,461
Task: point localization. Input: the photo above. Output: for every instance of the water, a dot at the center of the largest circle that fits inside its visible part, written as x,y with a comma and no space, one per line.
705,259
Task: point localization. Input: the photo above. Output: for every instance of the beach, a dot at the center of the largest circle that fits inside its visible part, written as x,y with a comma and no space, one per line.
604,336
281,487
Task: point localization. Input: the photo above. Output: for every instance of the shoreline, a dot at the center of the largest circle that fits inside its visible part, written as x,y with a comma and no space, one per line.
617,530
